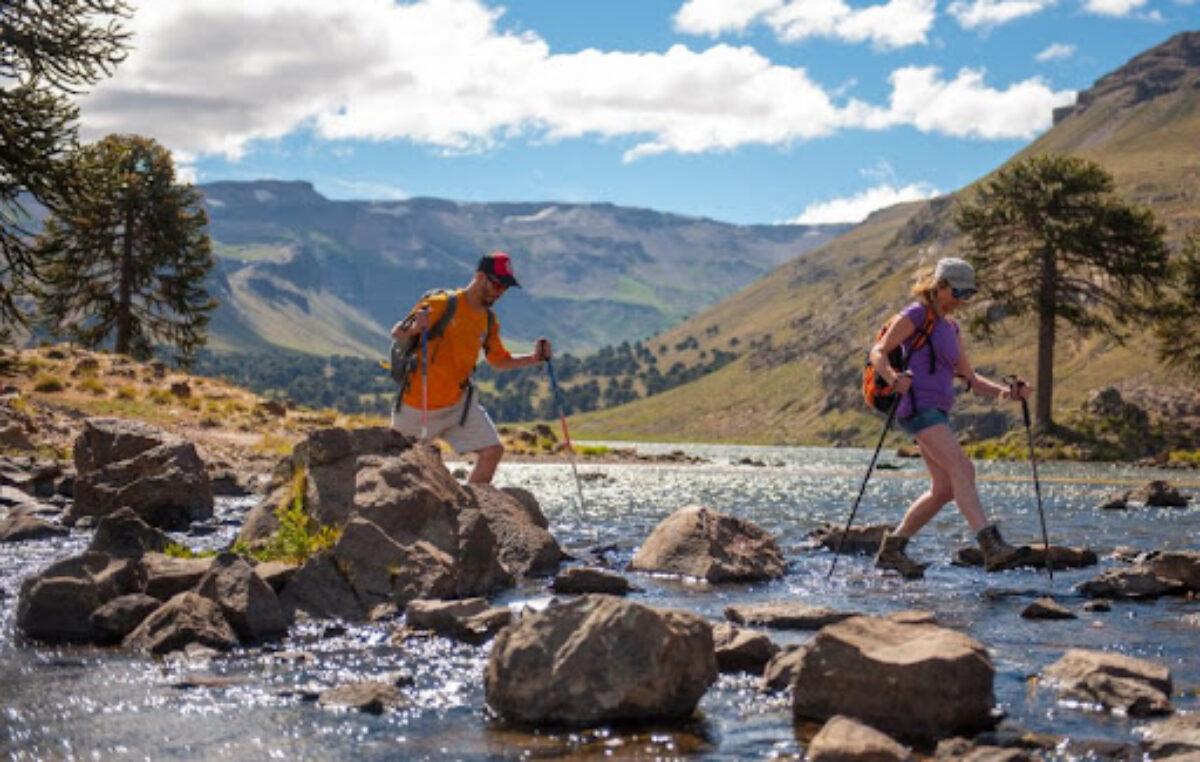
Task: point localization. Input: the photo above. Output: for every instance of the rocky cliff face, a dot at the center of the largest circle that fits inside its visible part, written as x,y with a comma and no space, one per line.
1168,68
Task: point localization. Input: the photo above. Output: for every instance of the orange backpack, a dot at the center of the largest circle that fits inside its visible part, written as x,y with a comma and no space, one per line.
876,391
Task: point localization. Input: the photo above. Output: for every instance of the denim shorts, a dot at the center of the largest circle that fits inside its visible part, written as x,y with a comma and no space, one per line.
923,419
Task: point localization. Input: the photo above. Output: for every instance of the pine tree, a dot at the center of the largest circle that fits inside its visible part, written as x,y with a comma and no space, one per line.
48,51
1051,239
127,253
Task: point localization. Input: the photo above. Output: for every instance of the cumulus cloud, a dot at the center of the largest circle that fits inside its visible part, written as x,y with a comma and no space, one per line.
985,14
966,107
856,208
213,76
894,24
1055,52
1112,7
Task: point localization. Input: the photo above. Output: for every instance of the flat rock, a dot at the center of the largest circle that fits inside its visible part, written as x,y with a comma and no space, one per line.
786,615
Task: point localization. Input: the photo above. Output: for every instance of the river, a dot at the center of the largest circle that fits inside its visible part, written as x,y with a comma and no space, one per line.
90,703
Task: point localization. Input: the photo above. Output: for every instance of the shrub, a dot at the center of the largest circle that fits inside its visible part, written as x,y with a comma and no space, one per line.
593,449
298,536
46,382
92,385
126,392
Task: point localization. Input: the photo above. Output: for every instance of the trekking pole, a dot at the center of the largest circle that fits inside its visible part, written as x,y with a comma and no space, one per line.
1013,383
842,539
424,384
562,417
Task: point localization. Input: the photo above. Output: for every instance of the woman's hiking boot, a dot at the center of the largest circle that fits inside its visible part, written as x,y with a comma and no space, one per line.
998,555
891,555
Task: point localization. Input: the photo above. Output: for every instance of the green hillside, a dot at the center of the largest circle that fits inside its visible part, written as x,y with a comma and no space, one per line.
804,328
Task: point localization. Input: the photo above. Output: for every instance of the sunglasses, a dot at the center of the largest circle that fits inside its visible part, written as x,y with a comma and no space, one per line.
963,294
497,284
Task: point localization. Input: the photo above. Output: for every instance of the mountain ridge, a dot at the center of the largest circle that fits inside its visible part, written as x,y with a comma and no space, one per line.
301,272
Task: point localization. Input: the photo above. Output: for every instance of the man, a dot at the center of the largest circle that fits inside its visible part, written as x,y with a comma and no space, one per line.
452,412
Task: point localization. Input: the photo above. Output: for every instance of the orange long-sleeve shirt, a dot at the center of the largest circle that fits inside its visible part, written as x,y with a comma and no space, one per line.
454,354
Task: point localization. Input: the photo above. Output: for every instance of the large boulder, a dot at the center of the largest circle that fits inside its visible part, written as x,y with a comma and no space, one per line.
124,533
57,605
526,546
599,658
912,681
247,602
409,530
1138,687
185,619
699,542
128,463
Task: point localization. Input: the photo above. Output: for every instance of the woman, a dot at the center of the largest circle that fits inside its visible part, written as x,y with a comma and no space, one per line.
926,392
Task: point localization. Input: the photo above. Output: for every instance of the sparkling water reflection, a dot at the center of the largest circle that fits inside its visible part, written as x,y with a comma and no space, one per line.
95,703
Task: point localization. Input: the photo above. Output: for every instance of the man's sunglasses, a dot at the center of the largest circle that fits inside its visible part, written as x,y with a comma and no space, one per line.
498,284
963,294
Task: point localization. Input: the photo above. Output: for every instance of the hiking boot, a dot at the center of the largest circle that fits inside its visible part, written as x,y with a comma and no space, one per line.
891,555
998,554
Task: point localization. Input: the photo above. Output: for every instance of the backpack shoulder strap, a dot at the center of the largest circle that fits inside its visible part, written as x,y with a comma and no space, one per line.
491,326
439,327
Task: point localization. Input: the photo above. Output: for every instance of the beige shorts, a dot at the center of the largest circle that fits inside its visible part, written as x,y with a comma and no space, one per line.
476,433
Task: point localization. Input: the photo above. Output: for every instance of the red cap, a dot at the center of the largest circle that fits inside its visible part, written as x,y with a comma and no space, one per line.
499,266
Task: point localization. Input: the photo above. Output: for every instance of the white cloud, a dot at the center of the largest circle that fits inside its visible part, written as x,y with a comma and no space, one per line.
966,107
985,14
856,208
893,24
1056,52
715,17
213,76
1112,7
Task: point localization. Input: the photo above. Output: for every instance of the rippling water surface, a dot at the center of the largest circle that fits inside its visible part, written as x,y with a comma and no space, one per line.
104,704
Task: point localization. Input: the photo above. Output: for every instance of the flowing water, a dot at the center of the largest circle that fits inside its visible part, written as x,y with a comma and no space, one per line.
89,703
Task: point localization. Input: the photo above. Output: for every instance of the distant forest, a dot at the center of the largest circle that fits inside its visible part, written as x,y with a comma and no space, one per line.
612,376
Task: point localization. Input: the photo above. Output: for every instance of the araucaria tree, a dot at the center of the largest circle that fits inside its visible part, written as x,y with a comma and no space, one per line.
48,51
1051,239
1178,327
127,253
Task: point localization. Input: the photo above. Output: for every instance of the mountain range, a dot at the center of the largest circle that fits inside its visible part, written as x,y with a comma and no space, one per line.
806,325
300,272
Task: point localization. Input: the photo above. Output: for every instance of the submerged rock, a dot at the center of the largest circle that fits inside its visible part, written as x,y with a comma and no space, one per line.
599,658
699,542
1138,687
786,615
1061,557
1136,583
578,580
911,681
863,540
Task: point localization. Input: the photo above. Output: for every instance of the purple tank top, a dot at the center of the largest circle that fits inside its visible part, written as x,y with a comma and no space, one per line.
936,389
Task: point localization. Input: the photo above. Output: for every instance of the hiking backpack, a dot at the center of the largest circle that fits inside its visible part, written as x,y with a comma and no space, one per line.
876,391
405,356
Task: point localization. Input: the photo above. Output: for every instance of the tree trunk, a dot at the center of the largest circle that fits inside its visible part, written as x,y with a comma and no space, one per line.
125,286
1047,290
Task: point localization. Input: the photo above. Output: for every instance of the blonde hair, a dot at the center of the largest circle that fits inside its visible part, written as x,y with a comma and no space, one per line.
924,285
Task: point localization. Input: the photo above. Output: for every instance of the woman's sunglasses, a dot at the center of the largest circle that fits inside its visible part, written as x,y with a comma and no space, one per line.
963,294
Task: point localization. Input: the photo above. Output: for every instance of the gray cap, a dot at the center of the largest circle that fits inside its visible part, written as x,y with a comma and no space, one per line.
957,272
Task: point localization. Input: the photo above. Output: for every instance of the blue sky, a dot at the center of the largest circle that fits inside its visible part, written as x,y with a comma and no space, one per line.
745,111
